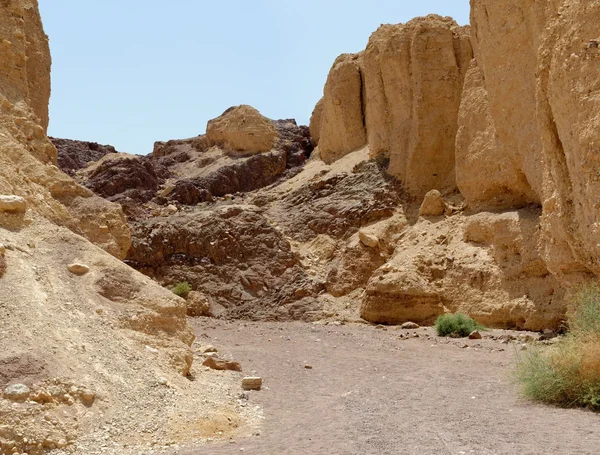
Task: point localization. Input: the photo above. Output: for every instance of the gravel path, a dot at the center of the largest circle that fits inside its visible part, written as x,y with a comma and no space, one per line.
369,392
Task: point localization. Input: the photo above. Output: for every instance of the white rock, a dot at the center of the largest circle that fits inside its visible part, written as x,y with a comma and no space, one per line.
12,204
17,392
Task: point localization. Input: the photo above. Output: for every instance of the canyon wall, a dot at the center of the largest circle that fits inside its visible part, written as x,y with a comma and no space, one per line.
401,97
79,328
514,129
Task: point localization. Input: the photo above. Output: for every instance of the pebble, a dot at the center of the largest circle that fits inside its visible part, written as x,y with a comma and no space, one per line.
220,364
475,335
409,325
78,269
252,383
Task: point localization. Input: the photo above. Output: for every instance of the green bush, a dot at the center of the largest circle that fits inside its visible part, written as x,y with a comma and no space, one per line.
457,325
181,289
568,372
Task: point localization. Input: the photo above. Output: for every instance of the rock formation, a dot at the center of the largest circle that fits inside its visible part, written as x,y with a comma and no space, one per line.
71,341
242,130
76,155
522,142
452,177
401,96
342,123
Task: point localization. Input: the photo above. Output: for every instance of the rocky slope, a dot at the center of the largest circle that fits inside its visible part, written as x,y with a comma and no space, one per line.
88,341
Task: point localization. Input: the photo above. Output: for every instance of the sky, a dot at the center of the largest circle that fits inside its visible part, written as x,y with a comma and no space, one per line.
132,72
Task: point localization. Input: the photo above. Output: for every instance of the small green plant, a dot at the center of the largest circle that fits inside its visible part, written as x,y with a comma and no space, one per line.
457,325
181,289
568,372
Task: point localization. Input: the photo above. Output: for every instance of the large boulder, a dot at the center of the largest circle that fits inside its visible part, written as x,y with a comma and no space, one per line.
242,130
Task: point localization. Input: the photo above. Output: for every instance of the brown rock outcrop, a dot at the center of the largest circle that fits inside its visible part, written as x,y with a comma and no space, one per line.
534,67
233,256
315,122
413,82
242,130
401,96
567,108
486,175
342,128
492,272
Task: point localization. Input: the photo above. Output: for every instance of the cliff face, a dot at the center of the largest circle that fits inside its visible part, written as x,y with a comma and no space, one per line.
401,97
513,129
76,322
536,65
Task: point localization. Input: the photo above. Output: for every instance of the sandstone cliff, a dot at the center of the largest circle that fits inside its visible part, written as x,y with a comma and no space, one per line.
513,129
401,96
82,333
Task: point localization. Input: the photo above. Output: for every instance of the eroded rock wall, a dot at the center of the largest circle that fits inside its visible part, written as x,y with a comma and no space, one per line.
401,96
81,335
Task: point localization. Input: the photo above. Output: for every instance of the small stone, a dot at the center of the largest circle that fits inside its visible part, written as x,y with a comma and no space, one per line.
78,269
252,383
368,240
221,365
433,204
172,208
2,249
12,204
87,397
209,348
17,392
409,325
162,381
308,367
475,335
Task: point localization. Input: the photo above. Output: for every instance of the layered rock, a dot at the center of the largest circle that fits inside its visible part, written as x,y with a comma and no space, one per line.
234,256
486,265
401,96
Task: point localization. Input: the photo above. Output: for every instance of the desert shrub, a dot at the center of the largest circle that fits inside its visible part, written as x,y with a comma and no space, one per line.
568,373
181,289
458,325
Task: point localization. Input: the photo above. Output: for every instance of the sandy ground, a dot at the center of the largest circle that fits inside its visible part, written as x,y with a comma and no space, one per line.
370,392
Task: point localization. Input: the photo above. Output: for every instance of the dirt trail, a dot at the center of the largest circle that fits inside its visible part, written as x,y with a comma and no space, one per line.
369,392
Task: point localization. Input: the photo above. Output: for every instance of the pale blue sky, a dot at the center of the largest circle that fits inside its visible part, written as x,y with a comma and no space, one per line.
131,72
